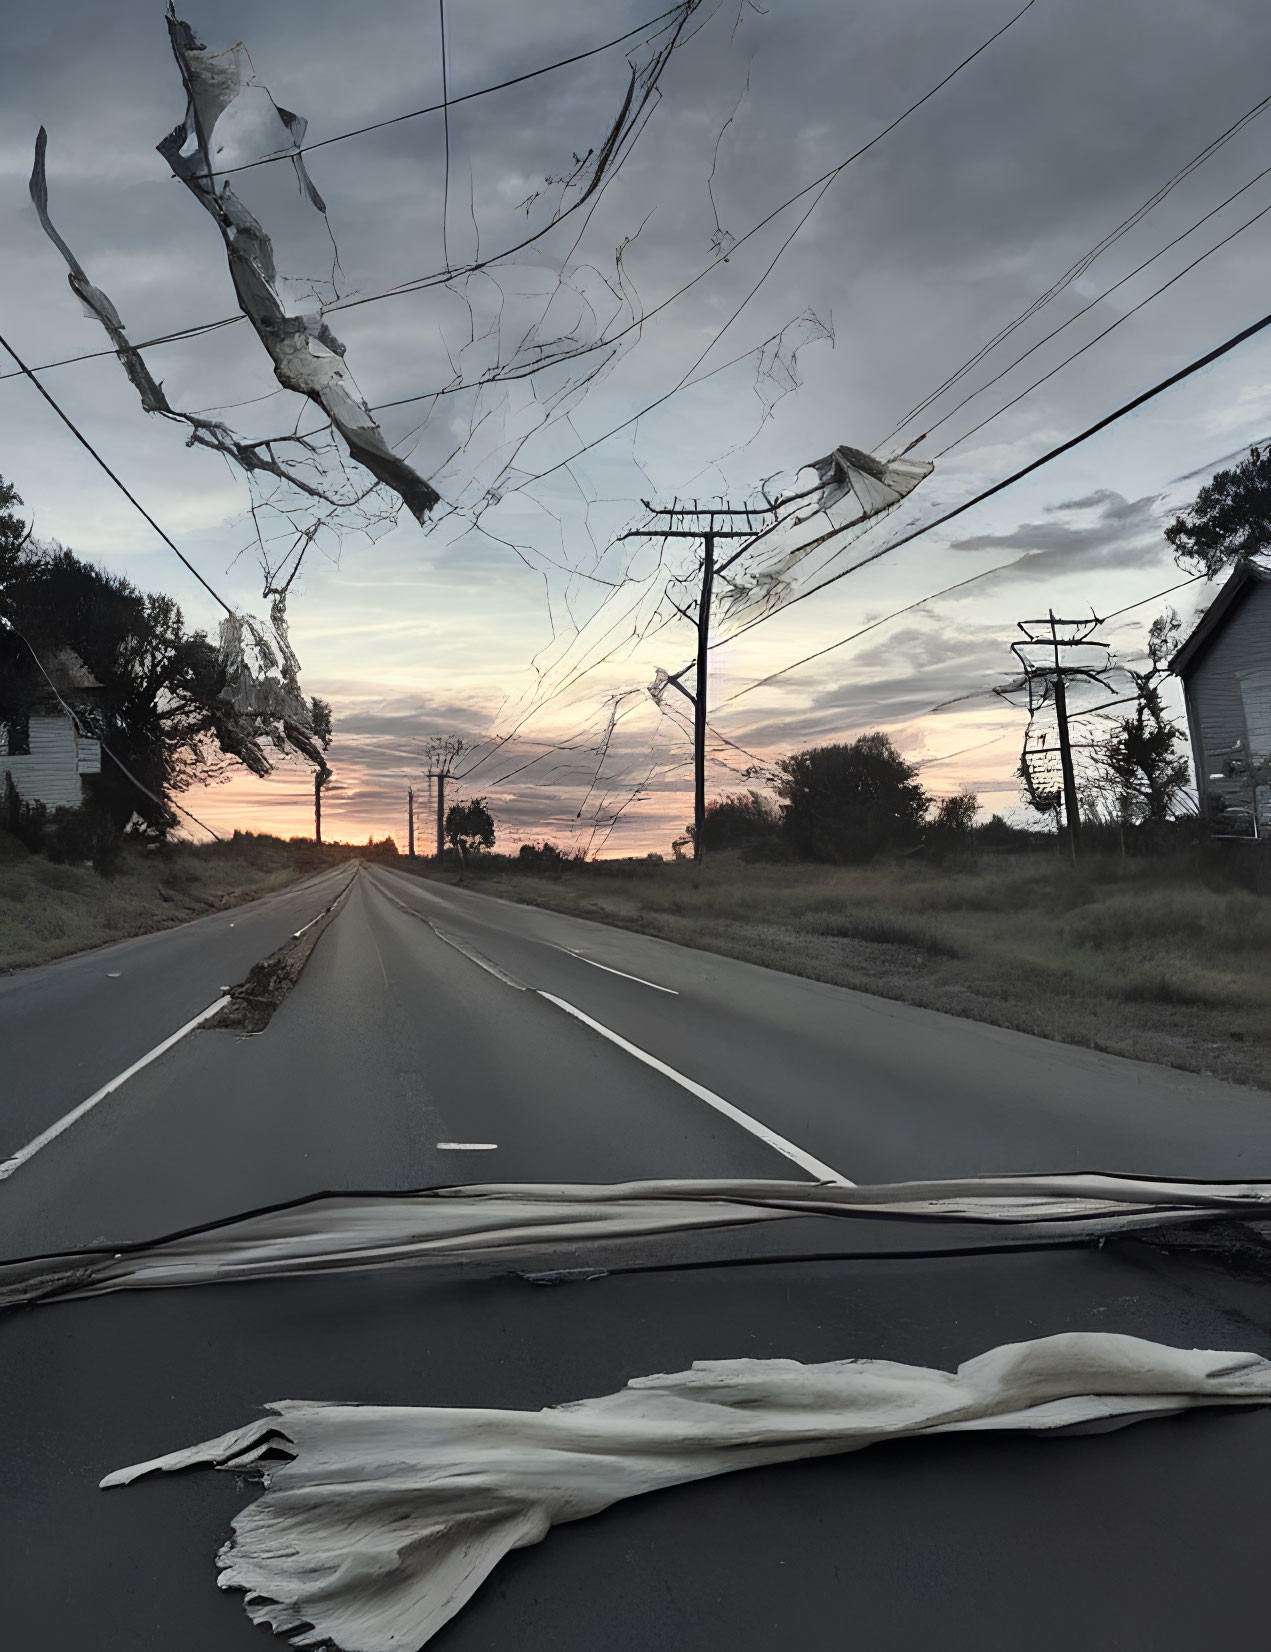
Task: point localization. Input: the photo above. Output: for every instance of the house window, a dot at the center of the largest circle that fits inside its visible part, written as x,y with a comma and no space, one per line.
18,737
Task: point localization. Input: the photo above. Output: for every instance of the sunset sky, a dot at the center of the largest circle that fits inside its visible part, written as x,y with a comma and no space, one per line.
520,631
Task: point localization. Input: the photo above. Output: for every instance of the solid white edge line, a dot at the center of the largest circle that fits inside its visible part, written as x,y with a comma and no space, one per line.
609,969
54,1130
805,1161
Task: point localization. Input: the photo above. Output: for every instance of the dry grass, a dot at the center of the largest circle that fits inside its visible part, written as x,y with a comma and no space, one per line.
47,910
1137,957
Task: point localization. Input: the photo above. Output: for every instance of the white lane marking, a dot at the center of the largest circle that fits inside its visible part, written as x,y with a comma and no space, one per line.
54,1130
813,1166
467,1146
296,934
609,969
477,958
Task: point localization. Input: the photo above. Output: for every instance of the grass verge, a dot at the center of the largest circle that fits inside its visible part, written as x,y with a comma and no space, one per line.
1150,958
47,910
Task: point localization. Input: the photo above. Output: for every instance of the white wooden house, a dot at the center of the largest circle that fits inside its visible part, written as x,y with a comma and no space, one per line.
1225,667
45,753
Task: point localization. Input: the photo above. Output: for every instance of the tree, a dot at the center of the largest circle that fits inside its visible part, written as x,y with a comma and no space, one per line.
737,819
543,857
955,816
320,723
13,533
161,709
1140,764
848,802
952,824
469,828
1230,519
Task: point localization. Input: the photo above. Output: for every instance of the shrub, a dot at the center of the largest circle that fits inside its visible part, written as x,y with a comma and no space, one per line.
84,834
849,802
540,857
737,819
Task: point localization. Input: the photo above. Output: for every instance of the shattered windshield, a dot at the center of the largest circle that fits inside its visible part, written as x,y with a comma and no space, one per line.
635,653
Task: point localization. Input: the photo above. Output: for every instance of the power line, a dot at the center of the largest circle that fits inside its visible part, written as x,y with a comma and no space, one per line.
820,185
1026,470
1133,310
146,344
466,97
421,283
412,284
1106,293
445,117
864,629
131,497
1083,264
1155,597
1054,453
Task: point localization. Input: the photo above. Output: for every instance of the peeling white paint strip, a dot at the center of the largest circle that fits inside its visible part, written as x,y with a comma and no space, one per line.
385,1520
478,958
609,969
467,1146
770,1138
76,1113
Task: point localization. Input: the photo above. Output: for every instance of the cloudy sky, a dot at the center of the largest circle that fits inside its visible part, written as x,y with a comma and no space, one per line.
516,621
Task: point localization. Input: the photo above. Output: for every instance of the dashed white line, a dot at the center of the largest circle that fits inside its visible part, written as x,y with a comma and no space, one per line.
54,1130
805,1161
467,1146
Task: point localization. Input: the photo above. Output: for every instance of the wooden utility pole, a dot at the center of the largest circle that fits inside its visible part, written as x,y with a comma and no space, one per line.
1071,812
410,821
1054,675
442,753
699,696
706,529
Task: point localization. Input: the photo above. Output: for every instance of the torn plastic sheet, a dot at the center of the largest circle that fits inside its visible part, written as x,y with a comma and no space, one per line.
306,355
854,488
255,458
501,1221
387,1519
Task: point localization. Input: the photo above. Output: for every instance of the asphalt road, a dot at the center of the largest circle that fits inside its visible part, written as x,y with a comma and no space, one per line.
429,1016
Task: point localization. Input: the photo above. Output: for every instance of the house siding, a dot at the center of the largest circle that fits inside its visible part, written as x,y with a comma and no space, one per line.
1226,690
51,773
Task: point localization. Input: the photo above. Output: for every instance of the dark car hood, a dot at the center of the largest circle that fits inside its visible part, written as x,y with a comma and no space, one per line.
1152,1535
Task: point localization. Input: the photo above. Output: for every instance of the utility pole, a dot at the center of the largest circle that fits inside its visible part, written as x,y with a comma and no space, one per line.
1065,744
410,821
704,526
442,753
1053,676
320,779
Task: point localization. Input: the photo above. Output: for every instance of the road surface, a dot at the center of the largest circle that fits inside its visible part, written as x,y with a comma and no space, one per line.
439,1036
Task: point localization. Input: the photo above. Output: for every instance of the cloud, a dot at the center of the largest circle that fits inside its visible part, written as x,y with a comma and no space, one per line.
920,252
1102,530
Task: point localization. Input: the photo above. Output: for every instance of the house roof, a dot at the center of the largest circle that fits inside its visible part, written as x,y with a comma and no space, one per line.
1244,577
